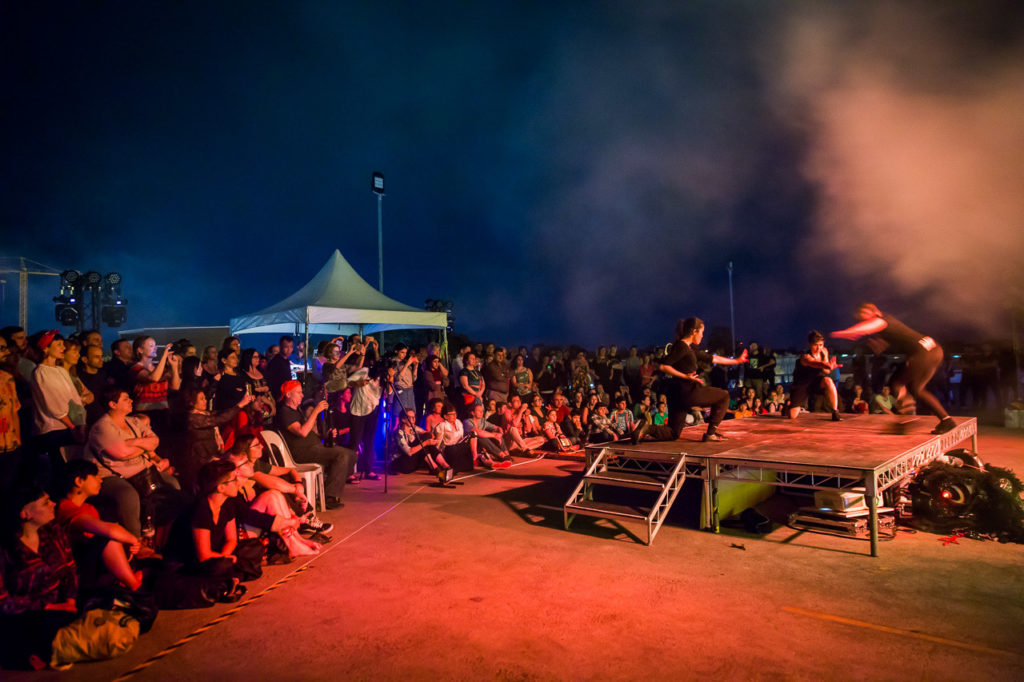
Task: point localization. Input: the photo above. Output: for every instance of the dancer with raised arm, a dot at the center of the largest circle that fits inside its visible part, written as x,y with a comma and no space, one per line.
686,389
812,372
923,355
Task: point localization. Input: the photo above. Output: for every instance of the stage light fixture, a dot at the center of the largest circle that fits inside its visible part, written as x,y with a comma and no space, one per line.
114,315
70,278
93,278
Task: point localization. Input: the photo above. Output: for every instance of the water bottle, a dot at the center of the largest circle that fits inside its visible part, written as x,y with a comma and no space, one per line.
148,532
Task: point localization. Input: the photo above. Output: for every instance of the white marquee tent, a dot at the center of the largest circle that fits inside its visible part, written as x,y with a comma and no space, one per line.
337,302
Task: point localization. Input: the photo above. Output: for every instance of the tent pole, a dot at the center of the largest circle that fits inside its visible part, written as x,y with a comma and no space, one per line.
444,336
305,355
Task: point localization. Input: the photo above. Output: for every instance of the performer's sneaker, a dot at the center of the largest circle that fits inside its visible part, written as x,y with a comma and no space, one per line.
835,416
945,426
638,432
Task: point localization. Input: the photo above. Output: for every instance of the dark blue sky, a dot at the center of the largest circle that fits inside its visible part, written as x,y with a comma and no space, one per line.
565,172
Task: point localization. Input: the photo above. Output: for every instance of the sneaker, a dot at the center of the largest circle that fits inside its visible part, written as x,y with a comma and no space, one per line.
945,426
502,465
314,525
333,502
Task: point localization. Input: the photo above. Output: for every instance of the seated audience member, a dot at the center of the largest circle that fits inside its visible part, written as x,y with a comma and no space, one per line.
203,442
857,403
537,409
555,438
206,538
491,450
622,419
415,446
884,402
660,418
124,447
493,411
434,414
455,447
565,421
95,542
38,580
742,410
515,413
299,431
601,426
286,480
259,510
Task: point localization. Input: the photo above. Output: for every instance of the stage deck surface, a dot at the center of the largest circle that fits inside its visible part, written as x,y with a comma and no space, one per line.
859,442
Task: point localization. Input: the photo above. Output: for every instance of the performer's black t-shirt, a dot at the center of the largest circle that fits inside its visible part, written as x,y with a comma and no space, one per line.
684,359
900,337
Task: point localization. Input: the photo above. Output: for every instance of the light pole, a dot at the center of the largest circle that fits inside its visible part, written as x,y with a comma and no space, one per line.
378,189
732,312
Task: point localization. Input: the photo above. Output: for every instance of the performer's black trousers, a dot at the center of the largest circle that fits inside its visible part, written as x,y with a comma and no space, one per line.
915,375
685,395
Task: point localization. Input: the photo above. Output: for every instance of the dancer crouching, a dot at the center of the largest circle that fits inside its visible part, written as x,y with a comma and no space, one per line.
686,389
812,370
923,355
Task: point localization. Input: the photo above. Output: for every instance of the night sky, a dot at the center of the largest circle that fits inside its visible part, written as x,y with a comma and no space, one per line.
563,171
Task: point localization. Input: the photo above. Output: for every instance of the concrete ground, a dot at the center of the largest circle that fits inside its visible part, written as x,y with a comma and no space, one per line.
482,582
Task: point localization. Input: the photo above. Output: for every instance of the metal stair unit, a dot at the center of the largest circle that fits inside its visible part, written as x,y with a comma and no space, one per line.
655,472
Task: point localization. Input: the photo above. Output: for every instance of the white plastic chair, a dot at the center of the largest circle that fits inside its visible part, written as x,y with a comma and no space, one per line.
312,474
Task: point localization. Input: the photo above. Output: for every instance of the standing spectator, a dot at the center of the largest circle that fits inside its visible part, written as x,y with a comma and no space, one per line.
55,399
434,379
522,377
119,366
10,423
279,367
406,366
153,379
631,371
72,355
94,376
471,383
365,411
497,376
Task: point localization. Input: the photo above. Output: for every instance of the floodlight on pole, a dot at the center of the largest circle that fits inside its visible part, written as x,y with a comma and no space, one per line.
377,185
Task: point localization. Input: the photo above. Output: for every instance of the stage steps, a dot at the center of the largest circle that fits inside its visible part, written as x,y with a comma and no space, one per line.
651,472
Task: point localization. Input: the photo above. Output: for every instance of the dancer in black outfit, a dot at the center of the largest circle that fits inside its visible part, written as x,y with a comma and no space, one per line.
923,355
812,372
686,389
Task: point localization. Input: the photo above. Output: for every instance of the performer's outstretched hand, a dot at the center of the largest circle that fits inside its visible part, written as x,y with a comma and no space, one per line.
744,356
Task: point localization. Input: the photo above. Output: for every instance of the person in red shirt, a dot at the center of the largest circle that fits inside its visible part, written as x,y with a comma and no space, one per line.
93,540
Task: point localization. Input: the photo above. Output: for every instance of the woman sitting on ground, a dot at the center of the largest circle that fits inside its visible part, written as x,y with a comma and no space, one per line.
38,580
95,542
415,446
455,448
434,414
265,510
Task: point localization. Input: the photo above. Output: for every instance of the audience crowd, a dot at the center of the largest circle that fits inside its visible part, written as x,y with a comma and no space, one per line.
122,466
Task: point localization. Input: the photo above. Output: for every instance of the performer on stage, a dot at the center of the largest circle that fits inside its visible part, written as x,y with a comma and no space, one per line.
686,389
923,355
812,371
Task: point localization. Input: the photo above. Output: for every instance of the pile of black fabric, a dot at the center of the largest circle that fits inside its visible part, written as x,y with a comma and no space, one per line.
978,500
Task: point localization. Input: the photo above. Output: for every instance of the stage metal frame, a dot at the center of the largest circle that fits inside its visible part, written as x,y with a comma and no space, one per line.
703,463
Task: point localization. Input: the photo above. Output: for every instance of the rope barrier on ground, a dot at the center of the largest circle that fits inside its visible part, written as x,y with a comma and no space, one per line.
290,576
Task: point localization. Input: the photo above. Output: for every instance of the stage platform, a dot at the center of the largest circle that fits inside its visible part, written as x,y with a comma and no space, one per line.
871,451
